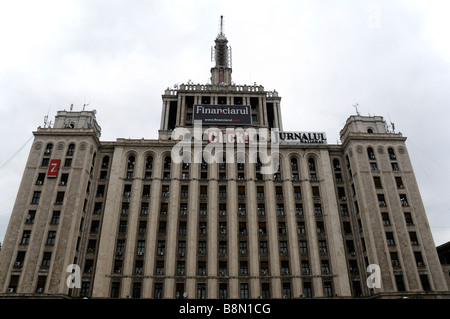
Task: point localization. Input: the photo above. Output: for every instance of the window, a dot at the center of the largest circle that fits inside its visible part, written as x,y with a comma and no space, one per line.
158,291
385,219
381,200
131,162
280,209
46,260
399,282
279,192
223,290
36,197
202,268
322,246
327,289
182,229
162,227
244,291
243,247
202,247
399,182
370,153
390,239
325,266
286,290
70,150
312,164
222,247
222,191
307,289
25,237
184,191
297,192
294,165
48,149
391,153
55,218
260,192
45,162
413,237
301,230
167,162
122,227
201,291
140,247
377,182
144,209
64,179
183,209
261,210
149,162
136,290
241,191
203,191
265,290
263,247
305,267
373,166
243,268
303,246
241,209
161,247
41,178
115,288
59,198
30,217
105,162
283,247
320,228
165,191
222,228
315,192
142,229
51,238
264,265
299,209
318,209
403,200
395,166
181,248
408,219
95,225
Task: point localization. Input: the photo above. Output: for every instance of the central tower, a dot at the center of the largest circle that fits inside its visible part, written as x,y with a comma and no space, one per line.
221,54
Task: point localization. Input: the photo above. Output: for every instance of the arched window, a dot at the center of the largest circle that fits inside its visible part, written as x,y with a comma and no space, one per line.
48,149
312,164
370,153
149,162
105,161
71,150
370,131
294,165
391,153
167,162
131,162
336,164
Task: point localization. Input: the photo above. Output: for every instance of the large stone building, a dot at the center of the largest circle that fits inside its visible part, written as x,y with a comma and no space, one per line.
131,221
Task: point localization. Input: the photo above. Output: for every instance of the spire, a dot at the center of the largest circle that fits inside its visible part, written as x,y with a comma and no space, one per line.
221,53
221,26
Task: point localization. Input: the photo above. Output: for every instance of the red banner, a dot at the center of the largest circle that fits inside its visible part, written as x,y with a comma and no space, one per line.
53,168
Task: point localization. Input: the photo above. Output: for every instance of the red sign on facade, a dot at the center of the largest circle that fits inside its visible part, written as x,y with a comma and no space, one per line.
53,168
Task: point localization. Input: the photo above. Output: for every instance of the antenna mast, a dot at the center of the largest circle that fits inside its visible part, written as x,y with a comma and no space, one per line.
221,25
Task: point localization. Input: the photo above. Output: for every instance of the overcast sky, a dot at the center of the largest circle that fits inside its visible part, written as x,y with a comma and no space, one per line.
390,57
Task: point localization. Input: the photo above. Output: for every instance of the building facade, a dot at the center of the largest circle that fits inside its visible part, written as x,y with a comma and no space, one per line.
124,219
